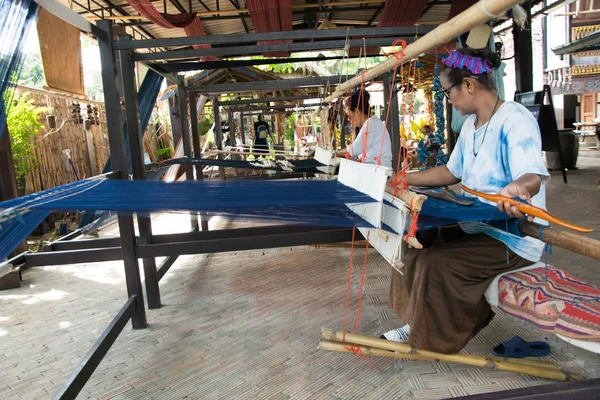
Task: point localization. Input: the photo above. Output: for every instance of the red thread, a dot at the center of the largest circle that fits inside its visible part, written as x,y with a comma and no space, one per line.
412,231
362,284
349,285
357,350
399,53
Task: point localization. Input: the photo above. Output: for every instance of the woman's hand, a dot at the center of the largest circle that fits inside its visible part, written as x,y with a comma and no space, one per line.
518,190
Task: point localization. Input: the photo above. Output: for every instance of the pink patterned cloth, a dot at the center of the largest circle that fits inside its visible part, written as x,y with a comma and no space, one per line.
552,300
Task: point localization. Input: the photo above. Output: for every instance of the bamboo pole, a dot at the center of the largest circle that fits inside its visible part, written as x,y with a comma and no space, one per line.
373,351
477,361
445,32
567,240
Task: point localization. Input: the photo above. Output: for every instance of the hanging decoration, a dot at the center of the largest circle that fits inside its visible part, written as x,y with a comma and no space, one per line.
431,148
429,107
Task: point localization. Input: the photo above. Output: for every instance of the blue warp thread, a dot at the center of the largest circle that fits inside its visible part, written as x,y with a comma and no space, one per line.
317,203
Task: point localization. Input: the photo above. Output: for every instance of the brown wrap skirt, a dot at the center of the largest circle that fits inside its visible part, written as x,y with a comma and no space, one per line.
441,291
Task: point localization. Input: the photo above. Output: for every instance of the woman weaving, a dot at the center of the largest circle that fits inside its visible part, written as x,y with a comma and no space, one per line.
372,144
441,291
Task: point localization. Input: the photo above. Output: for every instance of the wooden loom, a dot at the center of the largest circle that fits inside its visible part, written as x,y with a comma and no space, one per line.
395,212
397,209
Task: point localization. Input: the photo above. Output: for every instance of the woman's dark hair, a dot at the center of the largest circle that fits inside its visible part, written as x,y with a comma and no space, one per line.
456,75
360,101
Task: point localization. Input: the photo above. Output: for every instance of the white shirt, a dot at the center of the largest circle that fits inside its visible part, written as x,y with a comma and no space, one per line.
379,145
511,148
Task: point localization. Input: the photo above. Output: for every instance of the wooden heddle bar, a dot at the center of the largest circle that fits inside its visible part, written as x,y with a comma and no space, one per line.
481,12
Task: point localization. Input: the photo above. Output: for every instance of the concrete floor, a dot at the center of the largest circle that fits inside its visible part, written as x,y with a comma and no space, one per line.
246,325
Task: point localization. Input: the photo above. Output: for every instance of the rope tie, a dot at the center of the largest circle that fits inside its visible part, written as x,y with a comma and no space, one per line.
357,350
412,231
487,12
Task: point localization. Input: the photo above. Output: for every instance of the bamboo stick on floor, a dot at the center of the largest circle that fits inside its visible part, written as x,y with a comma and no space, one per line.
373,351
478,361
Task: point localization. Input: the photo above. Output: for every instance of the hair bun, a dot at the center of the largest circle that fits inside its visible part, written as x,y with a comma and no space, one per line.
492,59
486,55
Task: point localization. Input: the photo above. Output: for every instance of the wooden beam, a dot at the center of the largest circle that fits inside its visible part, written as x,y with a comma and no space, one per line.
66,14
523,53
574,242
236,4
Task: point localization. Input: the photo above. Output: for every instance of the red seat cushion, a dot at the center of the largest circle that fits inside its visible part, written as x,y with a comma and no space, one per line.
552,300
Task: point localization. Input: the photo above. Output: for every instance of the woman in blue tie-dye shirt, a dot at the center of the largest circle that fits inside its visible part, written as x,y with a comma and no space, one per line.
441,293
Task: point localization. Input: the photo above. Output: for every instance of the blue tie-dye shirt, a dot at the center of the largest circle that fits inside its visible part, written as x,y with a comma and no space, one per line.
511,148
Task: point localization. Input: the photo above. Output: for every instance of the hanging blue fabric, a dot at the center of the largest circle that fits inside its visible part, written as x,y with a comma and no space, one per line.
146,99
16,17
14,231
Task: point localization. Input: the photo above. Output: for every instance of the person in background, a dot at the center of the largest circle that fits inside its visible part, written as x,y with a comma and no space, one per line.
373,143
261,132
431,141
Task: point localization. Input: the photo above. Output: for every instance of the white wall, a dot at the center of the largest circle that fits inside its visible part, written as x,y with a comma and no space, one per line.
557,33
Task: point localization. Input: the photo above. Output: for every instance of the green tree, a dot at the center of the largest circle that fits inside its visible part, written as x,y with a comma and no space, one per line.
23,125
93,85
32,72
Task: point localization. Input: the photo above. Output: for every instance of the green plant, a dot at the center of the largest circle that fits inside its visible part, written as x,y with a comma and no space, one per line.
290,128
204,127
23,124
161,152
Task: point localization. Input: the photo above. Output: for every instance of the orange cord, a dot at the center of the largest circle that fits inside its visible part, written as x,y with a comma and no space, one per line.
349,282
412,231
362,284
356,350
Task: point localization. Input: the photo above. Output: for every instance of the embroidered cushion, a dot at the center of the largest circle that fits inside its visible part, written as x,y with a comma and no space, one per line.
552,300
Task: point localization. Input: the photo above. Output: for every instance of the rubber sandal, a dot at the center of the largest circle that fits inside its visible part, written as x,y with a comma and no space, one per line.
518,348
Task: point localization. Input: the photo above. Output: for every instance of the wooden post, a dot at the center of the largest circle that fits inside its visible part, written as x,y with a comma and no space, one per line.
218,134
242,128
393,122
136,150
175,119
523,53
